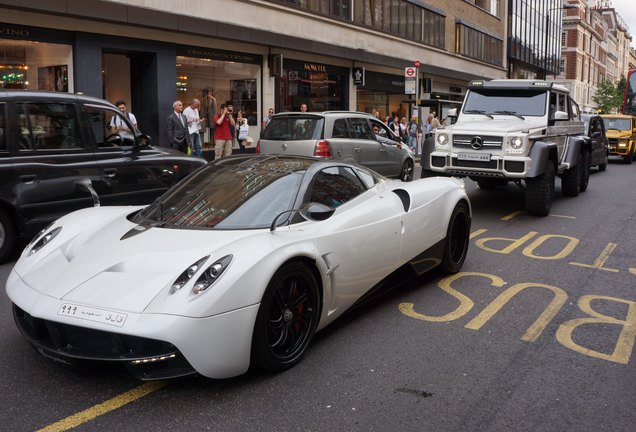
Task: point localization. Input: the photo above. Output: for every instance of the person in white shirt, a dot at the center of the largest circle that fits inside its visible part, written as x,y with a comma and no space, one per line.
192,115
120,127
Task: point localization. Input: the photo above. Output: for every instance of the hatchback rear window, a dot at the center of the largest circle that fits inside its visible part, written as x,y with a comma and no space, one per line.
294,128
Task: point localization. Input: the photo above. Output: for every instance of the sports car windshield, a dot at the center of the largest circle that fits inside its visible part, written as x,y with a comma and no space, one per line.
228,196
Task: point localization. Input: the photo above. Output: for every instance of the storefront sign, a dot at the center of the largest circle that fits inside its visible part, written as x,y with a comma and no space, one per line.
358,76
378,81
11,31
220,55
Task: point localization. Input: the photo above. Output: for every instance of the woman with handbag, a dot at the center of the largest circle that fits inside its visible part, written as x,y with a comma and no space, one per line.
243,130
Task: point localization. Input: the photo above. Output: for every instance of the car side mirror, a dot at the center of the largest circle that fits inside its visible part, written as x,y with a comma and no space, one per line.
561,115
595,135
143,140
316,211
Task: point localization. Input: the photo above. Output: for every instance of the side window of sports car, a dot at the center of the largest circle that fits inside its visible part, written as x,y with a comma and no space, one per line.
335,186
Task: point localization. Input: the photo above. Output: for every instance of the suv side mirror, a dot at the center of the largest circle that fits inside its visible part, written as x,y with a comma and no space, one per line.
561,115
595,135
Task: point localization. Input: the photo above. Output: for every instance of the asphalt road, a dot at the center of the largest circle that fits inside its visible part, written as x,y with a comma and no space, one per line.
535,334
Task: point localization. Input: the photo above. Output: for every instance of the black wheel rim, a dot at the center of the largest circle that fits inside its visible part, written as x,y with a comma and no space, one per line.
291,317
407,172
458,238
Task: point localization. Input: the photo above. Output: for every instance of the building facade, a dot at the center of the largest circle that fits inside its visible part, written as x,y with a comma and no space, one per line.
534,48
253,54
595,47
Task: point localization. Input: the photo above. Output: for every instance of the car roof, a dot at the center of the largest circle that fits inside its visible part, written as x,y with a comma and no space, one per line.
518,84
286,163
324,114
8,94
625,116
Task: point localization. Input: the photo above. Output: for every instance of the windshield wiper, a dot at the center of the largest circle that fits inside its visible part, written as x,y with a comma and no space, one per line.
512,113
482,112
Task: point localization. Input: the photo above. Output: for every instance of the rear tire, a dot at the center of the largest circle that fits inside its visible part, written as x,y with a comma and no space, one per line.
457,237
603,166
287,318
427,173
540,192
585,172
491,183
571,179
7,236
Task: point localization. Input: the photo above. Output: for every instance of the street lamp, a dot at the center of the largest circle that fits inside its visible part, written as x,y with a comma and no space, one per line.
547,34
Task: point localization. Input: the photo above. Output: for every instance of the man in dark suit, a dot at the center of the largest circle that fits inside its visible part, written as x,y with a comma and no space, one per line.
178,135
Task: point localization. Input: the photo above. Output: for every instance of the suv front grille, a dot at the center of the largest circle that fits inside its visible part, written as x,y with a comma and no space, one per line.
487,142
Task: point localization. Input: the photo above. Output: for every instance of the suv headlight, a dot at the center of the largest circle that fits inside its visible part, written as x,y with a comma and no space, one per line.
516,142
442,139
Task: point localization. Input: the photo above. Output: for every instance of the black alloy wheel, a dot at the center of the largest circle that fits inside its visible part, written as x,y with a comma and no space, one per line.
7,236
407,171
457,237
287,318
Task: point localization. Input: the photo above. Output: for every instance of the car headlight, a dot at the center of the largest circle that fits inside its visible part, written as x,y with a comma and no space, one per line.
622,143
36,245
516,142
442,139
211,274
187,275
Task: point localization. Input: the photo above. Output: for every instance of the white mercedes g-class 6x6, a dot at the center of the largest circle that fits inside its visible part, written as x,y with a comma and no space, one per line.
514,130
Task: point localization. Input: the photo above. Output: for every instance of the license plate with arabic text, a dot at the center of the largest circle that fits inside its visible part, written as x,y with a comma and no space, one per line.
484,157
103,316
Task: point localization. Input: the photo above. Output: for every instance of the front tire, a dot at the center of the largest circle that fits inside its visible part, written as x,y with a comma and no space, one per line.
457,237
7,236
287,318
629,157
540,192
406,175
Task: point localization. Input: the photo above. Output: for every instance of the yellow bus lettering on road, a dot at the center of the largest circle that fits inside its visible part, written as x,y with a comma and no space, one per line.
539,325
466,304
625,341
514,243
565,251
600,261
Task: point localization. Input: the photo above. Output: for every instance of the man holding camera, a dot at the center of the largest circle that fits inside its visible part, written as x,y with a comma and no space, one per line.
224,123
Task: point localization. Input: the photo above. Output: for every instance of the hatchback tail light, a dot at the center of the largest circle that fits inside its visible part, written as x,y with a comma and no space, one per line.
258,147
323,149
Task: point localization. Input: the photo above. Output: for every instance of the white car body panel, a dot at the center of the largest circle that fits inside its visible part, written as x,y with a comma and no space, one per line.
88,264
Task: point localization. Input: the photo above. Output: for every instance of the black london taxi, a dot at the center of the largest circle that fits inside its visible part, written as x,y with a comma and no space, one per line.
49,141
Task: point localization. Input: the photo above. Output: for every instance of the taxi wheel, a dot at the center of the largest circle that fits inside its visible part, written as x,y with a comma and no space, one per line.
7,236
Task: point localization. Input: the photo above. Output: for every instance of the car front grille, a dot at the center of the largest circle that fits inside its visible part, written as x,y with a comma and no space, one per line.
478,142
145,358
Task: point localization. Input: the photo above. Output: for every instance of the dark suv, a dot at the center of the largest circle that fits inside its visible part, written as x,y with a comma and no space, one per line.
49,141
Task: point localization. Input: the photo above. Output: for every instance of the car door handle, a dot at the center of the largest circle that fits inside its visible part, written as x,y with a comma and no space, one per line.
28,178
110,173
357,149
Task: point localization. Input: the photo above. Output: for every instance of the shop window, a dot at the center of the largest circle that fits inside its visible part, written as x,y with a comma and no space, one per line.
51,126
27,65
216,82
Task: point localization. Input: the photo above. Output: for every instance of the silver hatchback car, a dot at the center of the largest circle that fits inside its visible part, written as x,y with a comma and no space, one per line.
342,135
